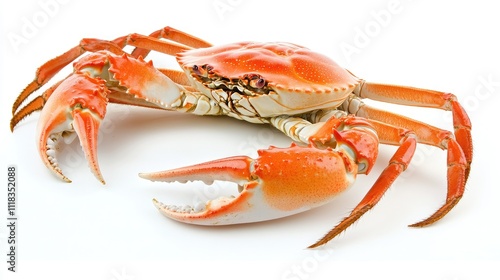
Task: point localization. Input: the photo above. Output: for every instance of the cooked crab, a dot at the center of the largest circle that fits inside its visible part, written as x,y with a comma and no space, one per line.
306,95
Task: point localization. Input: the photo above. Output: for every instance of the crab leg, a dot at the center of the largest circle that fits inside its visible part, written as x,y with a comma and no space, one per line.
458,159
53,66
397,164
172,34
142,43
421,98
316,126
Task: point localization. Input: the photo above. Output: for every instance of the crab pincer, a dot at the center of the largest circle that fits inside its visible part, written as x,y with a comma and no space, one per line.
280,182
78,104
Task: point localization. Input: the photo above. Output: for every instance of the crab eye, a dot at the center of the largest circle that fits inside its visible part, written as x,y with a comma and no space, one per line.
196,69
202,70
257,81
260,83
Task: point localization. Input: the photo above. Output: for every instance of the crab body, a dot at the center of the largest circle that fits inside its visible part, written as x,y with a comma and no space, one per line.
304,94
256,81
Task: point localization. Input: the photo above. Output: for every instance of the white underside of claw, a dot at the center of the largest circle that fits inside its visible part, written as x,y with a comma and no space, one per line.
51,152
247,207
48,147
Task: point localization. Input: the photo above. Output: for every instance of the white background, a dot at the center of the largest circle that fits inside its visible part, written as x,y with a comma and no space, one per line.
85,230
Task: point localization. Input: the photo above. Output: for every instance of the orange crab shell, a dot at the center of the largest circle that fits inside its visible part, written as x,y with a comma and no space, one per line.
300,78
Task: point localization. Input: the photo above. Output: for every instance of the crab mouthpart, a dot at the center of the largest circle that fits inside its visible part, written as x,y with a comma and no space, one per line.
248,84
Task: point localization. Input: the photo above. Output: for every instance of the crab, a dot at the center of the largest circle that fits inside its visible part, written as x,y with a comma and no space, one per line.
304,94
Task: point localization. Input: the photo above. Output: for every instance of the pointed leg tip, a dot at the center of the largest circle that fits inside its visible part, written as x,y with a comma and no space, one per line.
420,224
313,246
429,221
318,244
13,122
438,215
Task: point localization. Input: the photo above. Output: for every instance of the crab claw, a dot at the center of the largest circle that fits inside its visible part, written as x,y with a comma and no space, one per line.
281,182
78,105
